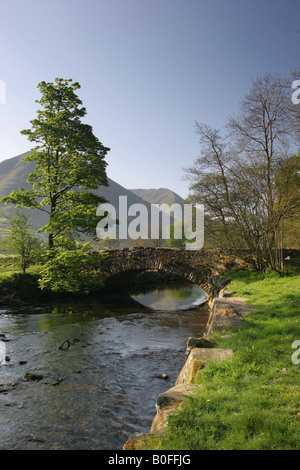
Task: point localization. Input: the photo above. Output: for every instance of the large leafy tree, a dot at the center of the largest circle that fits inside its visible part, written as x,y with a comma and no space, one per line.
70,163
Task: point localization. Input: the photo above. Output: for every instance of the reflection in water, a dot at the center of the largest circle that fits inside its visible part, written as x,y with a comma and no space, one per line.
109,372
175,298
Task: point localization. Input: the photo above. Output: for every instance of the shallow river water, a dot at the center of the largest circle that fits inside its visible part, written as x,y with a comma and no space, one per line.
101,385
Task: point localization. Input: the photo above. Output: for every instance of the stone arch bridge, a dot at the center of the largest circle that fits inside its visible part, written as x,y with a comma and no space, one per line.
200,267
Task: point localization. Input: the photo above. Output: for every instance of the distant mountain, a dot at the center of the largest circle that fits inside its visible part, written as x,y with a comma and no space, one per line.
159,196
14,173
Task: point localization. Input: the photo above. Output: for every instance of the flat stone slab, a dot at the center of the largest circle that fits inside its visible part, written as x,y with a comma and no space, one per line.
197,360
193,342
175,394
227,313
170,401
237,303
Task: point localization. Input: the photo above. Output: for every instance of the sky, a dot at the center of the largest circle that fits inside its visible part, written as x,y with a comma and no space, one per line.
148,70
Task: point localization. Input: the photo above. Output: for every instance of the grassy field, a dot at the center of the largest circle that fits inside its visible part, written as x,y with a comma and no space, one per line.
9,271
253,400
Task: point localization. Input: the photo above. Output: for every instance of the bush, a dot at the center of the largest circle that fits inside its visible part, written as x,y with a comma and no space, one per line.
72,272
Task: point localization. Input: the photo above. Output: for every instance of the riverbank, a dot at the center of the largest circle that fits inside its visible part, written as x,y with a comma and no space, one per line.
251,400
18,289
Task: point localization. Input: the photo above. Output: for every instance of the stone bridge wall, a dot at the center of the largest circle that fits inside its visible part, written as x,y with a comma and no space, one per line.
200,267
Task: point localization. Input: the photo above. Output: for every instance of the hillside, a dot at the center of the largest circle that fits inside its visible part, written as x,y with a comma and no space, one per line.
159,196
14,173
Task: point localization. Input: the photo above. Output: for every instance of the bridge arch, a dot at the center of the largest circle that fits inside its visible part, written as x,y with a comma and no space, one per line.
199,267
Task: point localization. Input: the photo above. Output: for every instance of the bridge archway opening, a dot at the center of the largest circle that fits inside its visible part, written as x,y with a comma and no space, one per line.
141,277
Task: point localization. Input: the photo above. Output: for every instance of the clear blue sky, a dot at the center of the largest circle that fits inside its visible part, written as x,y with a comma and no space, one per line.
148,70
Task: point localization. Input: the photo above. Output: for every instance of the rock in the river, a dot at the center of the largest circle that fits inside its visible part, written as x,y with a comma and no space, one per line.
34,377
57,382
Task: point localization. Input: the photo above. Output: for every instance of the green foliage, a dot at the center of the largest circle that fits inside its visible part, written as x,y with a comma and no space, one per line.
174,241
20,240
72,272
288,189
70,162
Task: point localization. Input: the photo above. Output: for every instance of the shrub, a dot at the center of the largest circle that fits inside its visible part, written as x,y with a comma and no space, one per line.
72,272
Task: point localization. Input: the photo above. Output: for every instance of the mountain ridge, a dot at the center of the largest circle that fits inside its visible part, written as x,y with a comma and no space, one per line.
159,196
14,173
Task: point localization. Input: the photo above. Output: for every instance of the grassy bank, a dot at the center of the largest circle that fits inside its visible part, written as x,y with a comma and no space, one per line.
9,271
253,400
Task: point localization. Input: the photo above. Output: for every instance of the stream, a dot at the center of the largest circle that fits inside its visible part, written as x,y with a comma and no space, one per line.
93,370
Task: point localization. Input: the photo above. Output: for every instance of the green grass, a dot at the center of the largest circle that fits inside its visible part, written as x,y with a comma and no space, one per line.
8,271
252,400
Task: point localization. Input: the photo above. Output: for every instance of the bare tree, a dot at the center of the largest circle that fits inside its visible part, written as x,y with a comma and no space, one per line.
237,178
